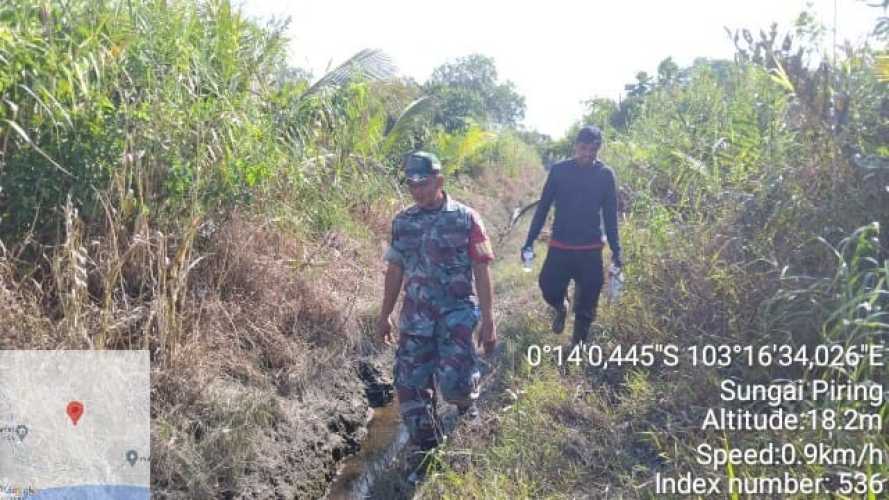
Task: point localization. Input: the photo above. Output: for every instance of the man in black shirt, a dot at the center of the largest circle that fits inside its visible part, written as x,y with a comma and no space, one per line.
581,188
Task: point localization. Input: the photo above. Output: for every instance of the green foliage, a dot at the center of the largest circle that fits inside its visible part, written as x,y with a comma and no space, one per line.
507,153
161,98
542,143
642,86
183,107
176,107
468,90
754,196
407,131
455,149
667,72
731,173
858,294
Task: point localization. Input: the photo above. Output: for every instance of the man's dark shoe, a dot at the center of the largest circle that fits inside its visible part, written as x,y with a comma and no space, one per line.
559,317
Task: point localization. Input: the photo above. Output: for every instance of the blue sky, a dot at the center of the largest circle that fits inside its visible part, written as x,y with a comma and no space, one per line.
557,52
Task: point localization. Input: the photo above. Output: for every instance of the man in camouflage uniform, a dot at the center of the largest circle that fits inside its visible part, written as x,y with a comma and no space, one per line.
438,246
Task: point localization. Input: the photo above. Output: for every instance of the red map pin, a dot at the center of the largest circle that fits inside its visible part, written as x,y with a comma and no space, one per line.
75,411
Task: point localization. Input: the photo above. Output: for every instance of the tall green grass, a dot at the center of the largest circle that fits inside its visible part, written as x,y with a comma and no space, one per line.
754,198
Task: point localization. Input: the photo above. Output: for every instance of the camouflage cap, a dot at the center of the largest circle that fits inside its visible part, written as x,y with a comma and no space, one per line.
419,165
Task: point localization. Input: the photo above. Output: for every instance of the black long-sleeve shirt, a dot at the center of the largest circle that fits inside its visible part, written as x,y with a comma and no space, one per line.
581,194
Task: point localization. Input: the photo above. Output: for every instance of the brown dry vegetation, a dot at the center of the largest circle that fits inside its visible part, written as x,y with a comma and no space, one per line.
255,336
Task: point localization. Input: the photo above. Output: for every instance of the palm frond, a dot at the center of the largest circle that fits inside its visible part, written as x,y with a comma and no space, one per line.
372,64
408,118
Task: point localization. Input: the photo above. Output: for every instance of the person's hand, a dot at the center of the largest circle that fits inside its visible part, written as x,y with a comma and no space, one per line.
487,335
384,329
616,261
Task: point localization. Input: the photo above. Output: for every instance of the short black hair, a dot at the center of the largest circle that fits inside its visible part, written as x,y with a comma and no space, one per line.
589,134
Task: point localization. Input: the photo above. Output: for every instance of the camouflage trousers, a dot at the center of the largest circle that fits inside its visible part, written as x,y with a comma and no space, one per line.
447,359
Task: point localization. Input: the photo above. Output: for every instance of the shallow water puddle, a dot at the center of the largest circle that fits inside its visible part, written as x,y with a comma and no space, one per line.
385,438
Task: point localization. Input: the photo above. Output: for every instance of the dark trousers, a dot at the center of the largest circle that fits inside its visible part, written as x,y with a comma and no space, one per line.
585,268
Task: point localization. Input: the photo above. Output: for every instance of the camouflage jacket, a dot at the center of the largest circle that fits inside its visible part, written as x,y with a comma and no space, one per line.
435,249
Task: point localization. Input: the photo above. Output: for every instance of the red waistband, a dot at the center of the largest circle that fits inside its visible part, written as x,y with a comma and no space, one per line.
566,246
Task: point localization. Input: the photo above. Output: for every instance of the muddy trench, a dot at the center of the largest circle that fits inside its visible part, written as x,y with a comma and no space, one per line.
325,435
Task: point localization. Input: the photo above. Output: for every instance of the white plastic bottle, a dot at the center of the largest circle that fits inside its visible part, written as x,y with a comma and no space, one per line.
615,283
527,260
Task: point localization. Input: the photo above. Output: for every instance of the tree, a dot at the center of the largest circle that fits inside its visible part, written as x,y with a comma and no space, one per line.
467,89
642,86
600,112
545,146
667,72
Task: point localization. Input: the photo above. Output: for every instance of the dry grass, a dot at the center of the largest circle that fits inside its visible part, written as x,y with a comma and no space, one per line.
241,318
24,324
